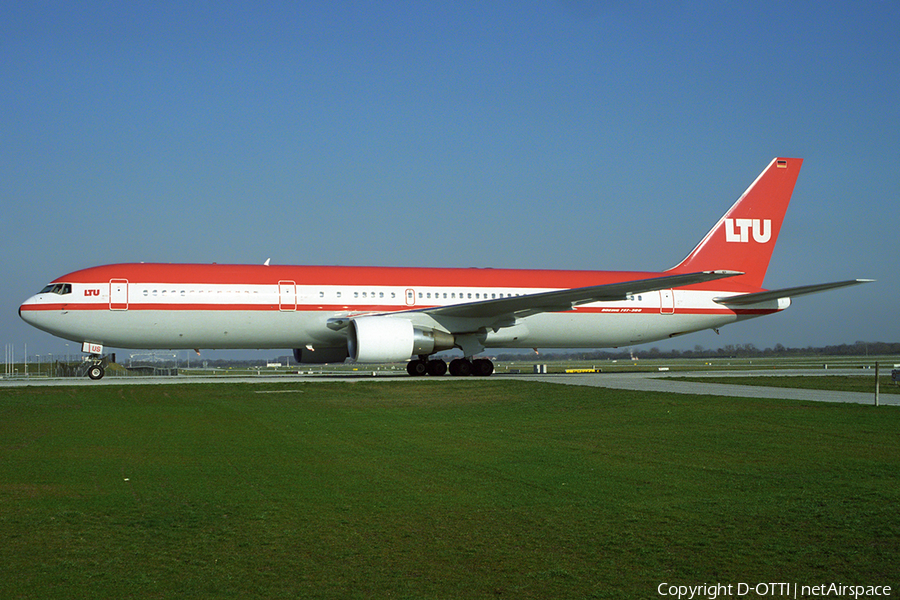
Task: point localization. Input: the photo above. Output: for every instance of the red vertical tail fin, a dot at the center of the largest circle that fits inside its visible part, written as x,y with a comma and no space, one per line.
743,240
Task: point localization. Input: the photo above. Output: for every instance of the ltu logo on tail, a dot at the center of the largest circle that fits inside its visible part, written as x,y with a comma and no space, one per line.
762,230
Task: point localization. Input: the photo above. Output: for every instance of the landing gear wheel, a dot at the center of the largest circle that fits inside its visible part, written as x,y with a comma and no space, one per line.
482,367
96,372
416,367
460,367
436,367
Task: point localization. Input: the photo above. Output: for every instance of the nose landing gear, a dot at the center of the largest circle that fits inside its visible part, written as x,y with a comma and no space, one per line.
96,371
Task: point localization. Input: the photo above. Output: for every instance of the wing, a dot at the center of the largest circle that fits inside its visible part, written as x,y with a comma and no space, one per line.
562,300
786,292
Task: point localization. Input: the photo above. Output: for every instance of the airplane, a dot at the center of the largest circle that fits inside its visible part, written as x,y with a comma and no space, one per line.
328,314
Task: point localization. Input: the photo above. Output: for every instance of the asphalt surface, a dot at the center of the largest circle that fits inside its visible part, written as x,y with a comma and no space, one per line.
649,382
653,382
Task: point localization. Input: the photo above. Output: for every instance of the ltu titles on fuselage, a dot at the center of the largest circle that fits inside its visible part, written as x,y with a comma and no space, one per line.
386,315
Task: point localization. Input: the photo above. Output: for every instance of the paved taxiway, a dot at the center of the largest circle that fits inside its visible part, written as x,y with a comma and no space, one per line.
654,382
648,382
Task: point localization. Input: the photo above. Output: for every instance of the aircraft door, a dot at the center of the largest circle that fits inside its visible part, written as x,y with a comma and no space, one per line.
667,302
410,297
287,296
118,294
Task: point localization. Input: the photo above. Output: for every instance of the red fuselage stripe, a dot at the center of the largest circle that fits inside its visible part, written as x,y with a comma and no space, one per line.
360,308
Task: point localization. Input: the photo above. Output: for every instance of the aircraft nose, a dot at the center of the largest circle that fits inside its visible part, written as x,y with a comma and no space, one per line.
26,315
39,314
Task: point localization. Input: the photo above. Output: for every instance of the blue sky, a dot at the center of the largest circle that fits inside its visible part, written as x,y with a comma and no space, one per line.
556,134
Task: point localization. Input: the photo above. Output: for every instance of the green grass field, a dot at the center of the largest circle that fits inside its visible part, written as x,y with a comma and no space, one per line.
447,489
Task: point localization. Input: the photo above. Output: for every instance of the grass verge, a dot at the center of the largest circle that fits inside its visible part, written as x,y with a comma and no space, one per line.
436,490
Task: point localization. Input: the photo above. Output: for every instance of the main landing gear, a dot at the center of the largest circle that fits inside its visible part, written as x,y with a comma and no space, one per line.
459,367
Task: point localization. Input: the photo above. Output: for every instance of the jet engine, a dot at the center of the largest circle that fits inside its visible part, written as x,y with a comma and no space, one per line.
388,339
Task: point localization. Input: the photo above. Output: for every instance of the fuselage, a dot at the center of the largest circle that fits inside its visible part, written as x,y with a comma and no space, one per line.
256,306
382,314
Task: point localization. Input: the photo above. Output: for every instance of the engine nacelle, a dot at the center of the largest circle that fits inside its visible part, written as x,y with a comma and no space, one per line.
320,356
388,339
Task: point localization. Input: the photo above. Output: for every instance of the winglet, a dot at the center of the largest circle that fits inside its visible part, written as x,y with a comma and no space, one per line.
743,239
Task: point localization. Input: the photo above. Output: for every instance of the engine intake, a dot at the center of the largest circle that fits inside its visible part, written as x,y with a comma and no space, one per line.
389,339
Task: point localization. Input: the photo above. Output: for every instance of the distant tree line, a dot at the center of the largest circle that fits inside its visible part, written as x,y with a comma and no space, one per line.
727,351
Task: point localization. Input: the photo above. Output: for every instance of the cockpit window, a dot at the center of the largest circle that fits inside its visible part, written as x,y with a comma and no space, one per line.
57,288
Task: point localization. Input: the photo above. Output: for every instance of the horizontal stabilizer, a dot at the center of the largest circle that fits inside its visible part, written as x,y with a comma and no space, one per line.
786,292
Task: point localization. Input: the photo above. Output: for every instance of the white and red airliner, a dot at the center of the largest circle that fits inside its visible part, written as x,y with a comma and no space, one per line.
379,314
